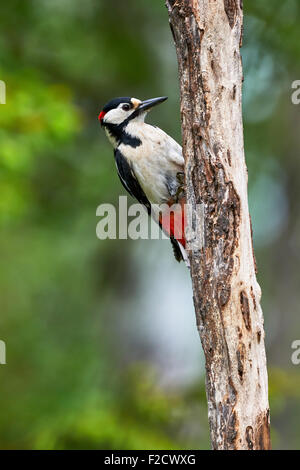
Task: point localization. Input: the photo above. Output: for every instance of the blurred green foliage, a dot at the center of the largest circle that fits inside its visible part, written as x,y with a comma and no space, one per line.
69,381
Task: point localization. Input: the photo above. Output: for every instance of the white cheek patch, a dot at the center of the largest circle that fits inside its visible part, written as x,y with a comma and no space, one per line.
115,116
118,115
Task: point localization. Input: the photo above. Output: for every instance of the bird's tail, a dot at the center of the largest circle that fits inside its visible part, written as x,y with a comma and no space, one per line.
173,224
184,255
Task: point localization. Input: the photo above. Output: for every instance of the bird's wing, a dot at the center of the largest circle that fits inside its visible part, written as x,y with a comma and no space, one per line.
131,184
175,153
129,180
172,149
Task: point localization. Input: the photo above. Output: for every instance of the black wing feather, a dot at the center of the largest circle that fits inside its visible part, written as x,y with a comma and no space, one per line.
131,184
176,249
129,180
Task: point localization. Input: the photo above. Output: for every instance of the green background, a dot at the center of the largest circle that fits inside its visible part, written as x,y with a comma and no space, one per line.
102,348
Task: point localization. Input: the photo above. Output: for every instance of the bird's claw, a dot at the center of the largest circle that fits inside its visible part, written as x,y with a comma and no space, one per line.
180,177
180,190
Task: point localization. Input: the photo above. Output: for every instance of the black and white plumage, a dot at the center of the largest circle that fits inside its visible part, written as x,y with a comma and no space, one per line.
149,162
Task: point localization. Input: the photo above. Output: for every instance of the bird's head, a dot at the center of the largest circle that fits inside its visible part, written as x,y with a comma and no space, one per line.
120,111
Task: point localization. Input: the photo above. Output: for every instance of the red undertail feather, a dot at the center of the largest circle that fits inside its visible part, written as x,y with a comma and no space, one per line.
173,221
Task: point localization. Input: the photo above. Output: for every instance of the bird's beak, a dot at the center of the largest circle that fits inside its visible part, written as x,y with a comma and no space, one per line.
148,104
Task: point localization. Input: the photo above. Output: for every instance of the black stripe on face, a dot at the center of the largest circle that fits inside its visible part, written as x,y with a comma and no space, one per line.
121,136
118,130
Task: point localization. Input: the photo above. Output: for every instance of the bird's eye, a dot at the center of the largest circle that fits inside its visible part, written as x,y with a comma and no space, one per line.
126,107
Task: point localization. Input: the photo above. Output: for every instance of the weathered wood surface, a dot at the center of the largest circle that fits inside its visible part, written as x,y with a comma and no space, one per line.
208,37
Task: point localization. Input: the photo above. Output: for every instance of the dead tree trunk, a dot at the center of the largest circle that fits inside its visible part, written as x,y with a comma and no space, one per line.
208,36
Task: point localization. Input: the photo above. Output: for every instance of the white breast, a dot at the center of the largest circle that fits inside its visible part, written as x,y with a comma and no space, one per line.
158,159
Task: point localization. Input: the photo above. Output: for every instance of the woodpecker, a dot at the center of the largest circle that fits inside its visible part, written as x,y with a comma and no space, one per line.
149,163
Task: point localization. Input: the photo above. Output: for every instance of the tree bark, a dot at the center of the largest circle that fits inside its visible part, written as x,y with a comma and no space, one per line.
208,37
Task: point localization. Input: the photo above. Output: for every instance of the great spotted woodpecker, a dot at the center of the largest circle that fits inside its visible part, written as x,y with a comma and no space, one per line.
150,164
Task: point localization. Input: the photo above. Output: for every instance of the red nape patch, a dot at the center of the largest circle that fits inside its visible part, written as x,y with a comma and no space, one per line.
101,115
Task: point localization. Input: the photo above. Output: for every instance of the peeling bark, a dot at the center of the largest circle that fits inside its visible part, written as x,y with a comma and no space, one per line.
208,36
